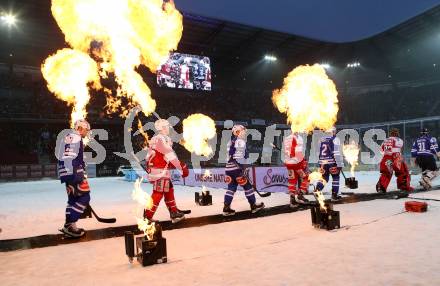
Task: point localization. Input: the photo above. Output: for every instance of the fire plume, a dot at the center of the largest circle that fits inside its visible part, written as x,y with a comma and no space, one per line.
141,197
144,201
197,130
321,200
143,133
315,177
68,72
119,36
147,227
309,98
351,154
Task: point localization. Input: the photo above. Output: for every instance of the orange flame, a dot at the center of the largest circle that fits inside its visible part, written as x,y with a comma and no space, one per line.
67,74
197,130
351,154
141,197
143,133
315,177
144,201
321,200
147,227
120,35
309,98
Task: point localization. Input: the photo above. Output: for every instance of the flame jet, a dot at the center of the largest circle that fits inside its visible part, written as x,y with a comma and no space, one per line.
120,36
309,98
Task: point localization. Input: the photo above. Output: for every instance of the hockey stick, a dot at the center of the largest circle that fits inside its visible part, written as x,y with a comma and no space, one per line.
263,195
101,219
275,146
425,199
343,175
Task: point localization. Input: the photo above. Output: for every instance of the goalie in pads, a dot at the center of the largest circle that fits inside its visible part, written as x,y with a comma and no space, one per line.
393,161
424,153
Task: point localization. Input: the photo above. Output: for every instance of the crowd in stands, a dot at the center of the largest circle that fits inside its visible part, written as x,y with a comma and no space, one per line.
391,105
26,99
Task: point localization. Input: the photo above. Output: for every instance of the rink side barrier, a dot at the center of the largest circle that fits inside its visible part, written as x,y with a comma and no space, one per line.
110,232
265,179
23,172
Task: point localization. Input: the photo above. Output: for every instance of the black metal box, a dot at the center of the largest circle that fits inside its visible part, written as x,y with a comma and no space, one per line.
351,183
325,219
203,198
149,252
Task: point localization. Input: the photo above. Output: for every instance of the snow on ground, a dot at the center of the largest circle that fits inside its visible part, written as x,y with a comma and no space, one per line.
37,207
378,246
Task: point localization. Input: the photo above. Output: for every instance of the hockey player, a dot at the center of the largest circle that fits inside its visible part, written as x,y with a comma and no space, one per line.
185,76
330,162
424,152
235,171
71,171
160,159
297,168
393,161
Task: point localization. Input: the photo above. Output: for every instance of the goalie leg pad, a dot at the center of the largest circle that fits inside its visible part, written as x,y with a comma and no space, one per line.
403,177
428,176
386,172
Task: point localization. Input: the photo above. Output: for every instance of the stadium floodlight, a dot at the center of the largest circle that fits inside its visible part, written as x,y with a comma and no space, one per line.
270,58
353,65
325,66
8,19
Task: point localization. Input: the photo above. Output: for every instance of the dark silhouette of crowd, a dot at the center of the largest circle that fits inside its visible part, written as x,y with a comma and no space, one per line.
31,117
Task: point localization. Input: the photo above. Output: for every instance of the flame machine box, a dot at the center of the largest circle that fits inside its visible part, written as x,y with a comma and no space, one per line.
203,198
325,218
148,251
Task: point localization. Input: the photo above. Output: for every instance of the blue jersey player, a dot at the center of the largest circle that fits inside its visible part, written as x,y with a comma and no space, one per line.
235,171
331,162
71,171
424,153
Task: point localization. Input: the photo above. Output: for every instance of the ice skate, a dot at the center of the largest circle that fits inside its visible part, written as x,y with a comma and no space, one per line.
257,207
70,230
227,211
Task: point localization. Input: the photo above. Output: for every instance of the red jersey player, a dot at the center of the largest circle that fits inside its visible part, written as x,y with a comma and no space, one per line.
393,161
297,168
160,159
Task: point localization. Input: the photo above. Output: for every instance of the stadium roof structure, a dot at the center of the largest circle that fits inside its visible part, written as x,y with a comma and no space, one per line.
37,35
334,21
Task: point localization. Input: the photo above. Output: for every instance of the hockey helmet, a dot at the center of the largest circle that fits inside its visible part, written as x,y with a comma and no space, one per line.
394,132
161,124
237,129
81,123
332,130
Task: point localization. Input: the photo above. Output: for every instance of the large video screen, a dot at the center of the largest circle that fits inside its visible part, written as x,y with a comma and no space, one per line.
185,72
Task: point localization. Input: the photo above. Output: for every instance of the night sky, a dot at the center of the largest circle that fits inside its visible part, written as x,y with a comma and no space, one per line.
329,20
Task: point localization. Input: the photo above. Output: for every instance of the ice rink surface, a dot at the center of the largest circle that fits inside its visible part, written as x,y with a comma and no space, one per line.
377,245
